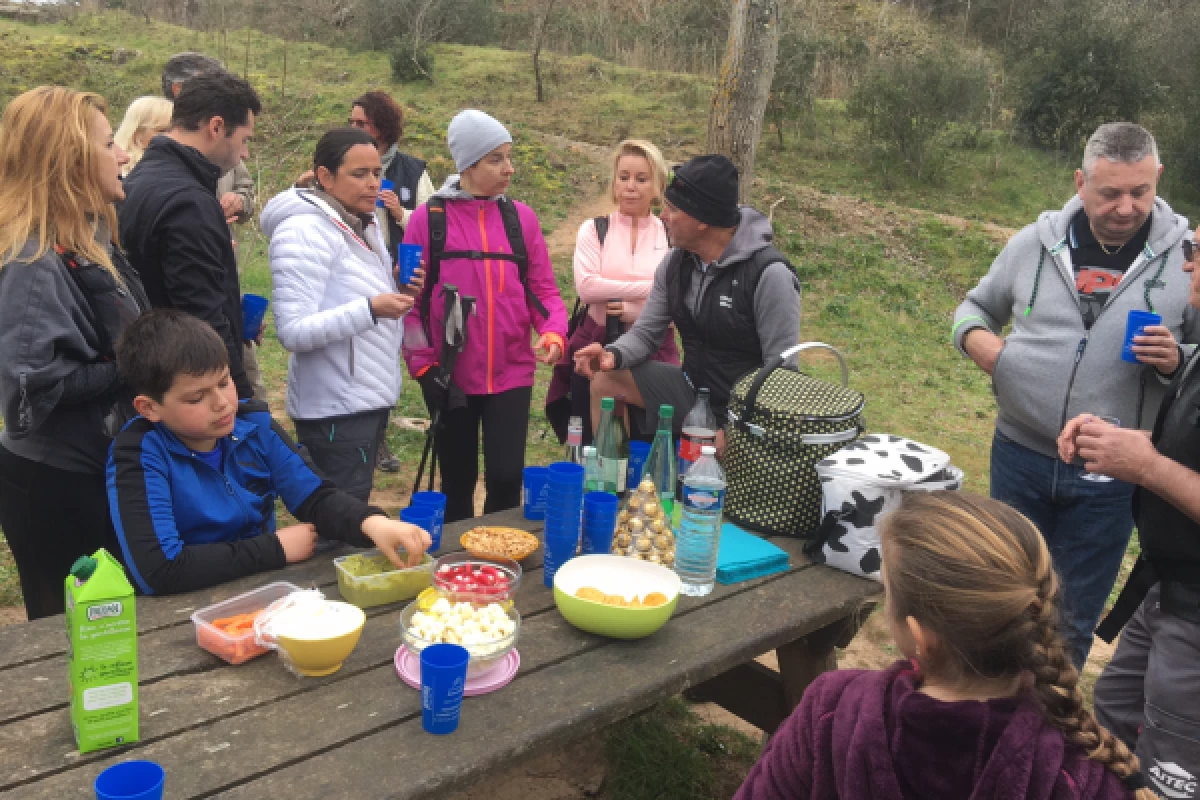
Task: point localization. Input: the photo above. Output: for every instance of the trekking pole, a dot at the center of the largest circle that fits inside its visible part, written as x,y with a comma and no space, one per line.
454,339
467,307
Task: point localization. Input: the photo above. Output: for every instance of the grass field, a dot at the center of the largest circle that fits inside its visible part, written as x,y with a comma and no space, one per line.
883,260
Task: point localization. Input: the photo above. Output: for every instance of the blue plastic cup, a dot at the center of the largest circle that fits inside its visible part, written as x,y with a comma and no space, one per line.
254,309
566,475
638,453
558,549
423,517
409,258
443,679
384,185
131,780
1137,323
436,501
534,492
599,522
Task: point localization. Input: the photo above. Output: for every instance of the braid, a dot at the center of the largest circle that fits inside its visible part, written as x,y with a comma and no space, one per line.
1056,687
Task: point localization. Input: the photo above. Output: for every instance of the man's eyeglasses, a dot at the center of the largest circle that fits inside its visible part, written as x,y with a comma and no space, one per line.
357,123
1190,249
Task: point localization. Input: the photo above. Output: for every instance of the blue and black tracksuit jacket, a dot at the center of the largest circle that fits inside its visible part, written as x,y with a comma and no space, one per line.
184,525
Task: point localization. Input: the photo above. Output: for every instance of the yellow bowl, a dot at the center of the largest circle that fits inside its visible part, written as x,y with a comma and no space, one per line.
319,655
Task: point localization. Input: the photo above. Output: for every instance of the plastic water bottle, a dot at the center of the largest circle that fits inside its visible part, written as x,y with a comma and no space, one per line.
700,531
699,429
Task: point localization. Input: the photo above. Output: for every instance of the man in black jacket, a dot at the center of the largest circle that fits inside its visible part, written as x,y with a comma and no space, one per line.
173,226
1147,695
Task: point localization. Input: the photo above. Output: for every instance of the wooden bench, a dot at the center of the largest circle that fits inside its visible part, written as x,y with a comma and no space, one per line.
257,731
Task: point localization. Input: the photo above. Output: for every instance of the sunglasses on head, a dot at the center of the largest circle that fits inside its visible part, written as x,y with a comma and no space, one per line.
1190,249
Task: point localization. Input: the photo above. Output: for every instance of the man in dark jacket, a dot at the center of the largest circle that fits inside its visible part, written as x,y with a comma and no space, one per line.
173,225
1147,694
733,297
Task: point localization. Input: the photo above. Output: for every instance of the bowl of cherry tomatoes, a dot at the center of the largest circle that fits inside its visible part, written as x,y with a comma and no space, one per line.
462,577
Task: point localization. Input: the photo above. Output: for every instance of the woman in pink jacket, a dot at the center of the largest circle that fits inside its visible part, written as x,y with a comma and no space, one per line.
491,383
613,276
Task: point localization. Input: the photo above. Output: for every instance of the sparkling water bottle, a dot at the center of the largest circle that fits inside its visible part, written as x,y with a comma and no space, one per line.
700,531
574,441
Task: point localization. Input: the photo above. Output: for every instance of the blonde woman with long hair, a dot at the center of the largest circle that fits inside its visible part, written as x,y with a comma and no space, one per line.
145,118
985,703
616,257
66,293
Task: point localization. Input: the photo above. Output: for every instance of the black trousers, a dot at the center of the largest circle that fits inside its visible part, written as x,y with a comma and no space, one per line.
50,518
505,419
345,448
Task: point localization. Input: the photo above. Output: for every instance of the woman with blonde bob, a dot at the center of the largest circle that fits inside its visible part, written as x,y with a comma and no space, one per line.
66,293
145,118
616,257
986,702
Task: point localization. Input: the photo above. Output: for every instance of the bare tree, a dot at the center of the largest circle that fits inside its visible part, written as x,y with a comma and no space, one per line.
743,86
538,37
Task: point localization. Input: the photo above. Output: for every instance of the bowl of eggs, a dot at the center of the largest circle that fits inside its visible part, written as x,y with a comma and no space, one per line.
488,631
615,596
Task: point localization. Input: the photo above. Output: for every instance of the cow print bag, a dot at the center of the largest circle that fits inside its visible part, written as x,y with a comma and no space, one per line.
863,481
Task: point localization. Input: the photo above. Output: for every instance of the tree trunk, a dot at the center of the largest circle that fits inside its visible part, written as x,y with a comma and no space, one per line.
538,37
744,85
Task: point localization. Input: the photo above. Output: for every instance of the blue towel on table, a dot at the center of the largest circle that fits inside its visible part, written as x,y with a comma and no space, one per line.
742,556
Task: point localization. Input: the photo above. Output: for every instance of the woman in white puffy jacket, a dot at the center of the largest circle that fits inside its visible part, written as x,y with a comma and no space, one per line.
337,309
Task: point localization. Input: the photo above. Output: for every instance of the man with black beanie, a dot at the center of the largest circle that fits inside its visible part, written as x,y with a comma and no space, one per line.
733,297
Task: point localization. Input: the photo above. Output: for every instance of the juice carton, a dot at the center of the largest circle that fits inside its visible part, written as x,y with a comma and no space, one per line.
101,653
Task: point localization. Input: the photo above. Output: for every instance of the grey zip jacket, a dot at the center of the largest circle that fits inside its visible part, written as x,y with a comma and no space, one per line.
1052,368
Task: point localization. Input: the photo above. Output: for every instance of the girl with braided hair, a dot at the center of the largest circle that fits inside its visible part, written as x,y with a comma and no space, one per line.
986,702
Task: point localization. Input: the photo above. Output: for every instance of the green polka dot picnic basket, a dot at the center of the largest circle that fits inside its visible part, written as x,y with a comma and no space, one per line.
781,423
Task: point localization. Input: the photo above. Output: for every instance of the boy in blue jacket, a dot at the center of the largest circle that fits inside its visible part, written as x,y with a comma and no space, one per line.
192,482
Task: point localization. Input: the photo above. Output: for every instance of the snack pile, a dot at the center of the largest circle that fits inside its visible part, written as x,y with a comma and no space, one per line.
643,529
651,600
462,623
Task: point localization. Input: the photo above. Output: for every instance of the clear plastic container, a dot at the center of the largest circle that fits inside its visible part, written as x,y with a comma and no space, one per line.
238,648
499,586
484,657
388,586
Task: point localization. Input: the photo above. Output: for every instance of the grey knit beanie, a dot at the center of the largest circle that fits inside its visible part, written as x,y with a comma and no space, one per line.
472,135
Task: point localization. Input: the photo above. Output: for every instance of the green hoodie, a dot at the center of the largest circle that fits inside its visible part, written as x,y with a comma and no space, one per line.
1053,368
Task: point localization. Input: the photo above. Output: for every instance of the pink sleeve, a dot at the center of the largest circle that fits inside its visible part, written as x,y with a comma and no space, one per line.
418,353
541,279
592,288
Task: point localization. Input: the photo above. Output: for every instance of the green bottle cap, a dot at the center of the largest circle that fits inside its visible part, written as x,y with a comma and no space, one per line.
83,568
666,411
607,403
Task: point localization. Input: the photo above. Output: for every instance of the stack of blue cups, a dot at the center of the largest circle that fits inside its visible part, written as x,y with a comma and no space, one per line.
564,504
599,522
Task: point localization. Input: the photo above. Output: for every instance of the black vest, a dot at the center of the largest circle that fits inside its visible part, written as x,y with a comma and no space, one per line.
405,173
720,338
1171,539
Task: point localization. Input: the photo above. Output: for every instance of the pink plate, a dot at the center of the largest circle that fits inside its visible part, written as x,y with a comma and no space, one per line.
408,667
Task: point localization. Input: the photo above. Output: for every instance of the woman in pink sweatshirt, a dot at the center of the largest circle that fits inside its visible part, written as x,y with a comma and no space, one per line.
613,274
490,385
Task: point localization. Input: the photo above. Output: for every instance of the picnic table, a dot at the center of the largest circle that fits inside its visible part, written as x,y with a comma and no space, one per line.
257,731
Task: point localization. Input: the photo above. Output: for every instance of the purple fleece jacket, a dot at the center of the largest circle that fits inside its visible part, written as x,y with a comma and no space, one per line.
865,735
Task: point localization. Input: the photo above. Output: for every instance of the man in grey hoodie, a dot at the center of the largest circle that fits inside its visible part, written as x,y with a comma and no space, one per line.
733,297
1067,284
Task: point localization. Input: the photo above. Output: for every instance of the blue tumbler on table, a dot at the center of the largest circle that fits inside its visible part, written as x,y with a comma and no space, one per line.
564,506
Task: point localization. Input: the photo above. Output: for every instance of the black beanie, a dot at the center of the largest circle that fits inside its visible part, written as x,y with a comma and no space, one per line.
706,189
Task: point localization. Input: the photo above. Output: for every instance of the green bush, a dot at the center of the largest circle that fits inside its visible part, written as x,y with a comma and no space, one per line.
906,102
1080,64
411,64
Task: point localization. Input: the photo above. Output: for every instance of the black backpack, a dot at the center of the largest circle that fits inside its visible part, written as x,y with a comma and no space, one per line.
438,252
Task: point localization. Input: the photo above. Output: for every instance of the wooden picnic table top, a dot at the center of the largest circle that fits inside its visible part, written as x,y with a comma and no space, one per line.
258,731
